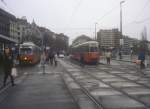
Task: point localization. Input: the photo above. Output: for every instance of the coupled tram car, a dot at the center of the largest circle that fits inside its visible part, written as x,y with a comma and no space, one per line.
29,53
88,50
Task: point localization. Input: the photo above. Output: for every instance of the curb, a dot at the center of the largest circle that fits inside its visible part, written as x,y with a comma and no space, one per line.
122,60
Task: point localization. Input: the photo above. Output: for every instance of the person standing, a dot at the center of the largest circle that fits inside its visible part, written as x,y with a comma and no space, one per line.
55,59
51,57
141,57
82,59
108,56
120,55
8,64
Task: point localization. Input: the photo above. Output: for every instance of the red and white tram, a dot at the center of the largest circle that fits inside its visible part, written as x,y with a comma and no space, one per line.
89,50
29,53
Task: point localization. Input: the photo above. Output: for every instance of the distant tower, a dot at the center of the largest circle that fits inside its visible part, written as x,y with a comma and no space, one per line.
33,23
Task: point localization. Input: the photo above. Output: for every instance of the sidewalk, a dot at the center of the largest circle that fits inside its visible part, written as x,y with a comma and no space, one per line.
40,91
116,61
127,58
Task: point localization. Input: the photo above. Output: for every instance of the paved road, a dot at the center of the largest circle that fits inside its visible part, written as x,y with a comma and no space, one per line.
115,86
39,91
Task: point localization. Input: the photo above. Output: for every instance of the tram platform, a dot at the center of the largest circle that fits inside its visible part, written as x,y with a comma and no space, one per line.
38,91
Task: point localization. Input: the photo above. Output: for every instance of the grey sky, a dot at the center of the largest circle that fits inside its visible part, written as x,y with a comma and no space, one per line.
76,17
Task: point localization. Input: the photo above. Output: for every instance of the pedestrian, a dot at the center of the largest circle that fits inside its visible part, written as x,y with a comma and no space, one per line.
55,60
51,57
131,54
141,57
8,64
108,56
47,57
82,59
120,55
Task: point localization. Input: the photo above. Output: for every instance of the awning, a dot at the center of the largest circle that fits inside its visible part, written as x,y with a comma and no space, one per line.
5,39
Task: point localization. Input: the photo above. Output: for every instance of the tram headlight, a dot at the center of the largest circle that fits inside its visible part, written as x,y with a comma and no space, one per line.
25,58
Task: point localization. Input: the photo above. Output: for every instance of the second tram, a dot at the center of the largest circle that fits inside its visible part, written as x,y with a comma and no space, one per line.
89,50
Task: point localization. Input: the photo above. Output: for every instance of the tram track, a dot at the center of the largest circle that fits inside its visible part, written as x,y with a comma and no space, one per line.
70,92
133,68
139,76
85,91
87,72
125,78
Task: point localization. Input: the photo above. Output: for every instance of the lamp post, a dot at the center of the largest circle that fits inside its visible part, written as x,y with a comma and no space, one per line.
95,31
121,36
43,55
121,17
18,55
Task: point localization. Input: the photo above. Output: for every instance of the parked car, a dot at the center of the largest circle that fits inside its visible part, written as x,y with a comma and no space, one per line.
61,55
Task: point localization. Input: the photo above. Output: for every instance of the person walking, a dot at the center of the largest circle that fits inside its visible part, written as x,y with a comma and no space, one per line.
8,64
51,57
55,60
120,55
108,56
82,60
141,57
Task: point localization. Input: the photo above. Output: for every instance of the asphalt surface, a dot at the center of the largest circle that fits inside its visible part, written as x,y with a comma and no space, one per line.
115,86
38,91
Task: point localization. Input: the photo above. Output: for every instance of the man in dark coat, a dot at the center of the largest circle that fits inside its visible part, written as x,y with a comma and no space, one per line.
141,57
8,64
82,59
51,57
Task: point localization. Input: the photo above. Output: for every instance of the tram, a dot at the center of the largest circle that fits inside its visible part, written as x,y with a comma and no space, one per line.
29,53
89,50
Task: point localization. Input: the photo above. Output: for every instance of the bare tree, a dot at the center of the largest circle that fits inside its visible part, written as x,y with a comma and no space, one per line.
143,42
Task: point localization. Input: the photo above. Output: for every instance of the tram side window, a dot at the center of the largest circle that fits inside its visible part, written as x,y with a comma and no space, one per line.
93,49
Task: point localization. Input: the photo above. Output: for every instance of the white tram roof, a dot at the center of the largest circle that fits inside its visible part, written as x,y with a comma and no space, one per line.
29,43
86,43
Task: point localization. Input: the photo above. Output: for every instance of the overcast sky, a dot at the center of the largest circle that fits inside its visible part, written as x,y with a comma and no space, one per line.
76,17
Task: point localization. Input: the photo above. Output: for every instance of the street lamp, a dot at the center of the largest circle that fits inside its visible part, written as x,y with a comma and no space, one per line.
121,17
95,31
121,36
43,55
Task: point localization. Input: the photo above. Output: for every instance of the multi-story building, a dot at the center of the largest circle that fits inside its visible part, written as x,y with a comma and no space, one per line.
14,29
128,44
109,38
8,29
24,28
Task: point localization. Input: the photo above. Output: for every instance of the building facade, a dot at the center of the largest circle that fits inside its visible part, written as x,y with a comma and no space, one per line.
109,38
8,29
129,44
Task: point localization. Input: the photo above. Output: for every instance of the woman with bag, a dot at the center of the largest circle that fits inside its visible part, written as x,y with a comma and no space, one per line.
8,64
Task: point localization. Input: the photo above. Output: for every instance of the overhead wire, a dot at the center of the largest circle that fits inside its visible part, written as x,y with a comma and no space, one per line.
141,12
4,2
107,13
141,21
73,13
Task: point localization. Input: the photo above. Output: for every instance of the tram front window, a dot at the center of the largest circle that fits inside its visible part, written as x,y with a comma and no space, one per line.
93,49
25,51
